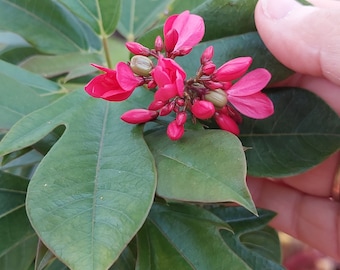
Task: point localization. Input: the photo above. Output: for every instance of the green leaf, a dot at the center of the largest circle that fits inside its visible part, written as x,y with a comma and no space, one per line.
53,65
101,15
18,240
138,16
46,25
36,82
303,132
257,244
88,197
225,49
179,236
16,101
204,166
226,18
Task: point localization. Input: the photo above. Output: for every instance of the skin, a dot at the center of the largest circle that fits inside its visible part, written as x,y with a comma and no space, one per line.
307,40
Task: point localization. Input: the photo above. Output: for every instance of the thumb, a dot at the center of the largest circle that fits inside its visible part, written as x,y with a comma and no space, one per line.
304,38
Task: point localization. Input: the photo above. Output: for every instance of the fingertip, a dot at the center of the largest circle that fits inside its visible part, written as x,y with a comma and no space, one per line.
304,38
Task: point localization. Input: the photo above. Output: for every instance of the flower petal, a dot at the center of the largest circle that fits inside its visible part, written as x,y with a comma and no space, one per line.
126,78
256,106
251,83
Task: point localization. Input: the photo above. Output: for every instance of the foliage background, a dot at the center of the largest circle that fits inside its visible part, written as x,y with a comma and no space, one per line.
84,183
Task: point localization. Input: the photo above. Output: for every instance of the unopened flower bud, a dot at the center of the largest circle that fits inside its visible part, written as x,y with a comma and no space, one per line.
182,51
203,109
139,116
208,68
167,109
141,65
151,84
181,118
174,131
232,70
159,44
226,123
217,97
137,49
171,39
156,105
213,85
207,55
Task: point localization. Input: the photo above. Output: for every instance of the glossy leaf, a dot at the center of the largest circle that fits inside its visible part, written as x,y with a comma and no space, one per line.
227,18
98,195
225,49
18,239
36,82
138,16
177,6
16,101
59,31
101,15
303,132
179,236
257,244
51,66
204,166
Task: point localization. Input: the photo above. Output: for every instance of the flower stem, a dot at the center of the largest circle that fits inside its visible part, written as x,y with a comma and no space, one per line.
106,51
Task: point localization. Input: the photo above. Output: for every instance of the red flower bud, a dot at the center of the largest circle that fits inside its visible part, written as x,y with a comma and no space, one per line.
174,131
207,55
203,109
159,44
171,39
232,70
181,118
213,85
137,48
226,123
156,105
167,109
139,116
208,68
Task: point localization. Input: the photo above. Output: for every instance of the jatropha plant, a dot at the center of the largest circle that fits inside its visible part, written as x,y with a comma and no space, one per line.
221,93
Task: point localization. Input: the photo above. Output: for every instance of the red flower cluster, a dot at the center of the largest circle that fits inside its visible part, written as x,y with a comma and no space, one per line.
212,93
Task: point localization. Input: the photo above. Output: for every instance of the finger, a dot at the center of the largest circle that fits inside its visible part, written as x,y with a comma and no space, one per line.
313,220
319,180
304,38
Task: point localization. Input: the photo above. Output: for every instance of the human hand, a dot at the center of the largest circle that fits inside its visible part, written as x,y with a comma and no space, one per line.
307,40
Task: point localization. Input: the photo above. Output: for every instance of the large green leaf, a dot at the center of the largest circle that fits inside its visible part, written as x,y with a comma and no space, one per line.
179,236
101,15
224,18
18,239
94,188
46,25
303,131
257,244
16,101
53,65
138,16
36,82
204,166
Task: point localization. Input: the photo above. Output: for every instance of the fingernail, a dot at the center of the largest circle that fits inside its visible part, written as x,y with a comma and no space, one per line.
278,9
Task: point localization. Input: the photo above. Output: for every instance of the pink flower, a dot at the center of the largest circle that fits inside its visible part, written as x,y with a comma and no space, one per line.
246,96
139,116
114,85
232,69
203,109
169,77
137,48
183,31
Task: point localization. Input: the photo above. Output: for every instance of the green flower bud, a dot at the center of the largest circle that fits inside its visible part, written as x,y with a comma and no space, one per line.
217,97
141,65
